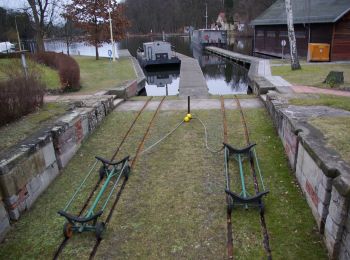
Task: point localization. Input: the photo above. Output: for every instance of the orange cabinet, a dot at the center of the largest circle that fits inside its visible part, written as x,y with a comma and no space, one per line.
318,52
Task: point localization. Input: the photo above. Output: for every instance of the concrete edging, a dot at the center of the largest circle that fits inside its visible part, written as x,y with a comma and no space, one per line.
28,168
322,175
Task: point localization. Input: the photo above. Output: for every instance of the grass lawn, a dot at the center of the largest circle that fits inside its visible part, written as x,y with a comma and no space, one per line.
97,75
323,100
336,132
17,131
174,205
49,76
312,74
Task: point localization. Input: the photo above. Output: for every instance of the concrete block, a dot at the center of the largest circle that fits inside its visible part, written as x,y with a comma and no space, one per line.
344,253
11,200
300,176
338,208
13,181
49,154
323,194
14,214
322,210
3,212
79,135
327,183
92,120
4,227
34,185
65,157
43,181
333,230
49,175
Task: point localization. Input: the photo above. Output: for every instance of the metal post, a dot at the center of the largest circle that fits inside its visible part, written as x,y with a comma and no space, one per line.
23,58
206,16
188,105
111,30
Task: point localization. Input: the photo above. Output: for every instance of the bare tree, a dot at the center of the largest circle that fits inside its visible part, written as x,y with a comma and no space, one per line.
43,13
92,17
291,35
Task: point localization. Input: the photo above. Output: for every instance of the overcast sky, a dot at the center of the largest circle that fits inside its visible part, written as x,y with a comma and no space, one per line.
13,4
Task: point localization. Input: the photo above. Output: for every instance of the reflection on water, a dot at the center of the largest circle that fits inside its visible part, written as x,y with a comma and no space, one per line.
162,83
222,76
79,48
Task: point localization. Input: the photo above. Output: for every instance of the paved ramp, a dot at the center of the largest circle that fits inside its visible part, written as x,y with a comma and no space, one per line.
192,81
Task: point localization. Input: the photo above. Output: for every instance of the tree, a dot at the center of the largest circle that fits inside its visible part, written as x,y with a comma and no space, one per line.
291,35
43,13
92,17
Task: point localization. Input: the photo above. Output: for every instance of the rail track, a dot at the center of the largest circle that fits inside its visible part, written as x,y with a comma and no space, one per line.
266,241
86,203
133,163
229,244
230,230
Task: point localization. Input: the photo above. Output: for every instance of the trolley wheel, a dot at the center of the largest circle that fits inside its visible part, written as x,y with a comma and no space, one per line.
262,208
127,172
102,172
68,230
229,205
99,230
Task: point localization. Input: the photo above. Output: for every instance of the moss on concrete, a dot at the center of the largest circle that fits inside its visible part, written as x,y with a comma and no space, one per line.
174,203
19,130
336,132
322,100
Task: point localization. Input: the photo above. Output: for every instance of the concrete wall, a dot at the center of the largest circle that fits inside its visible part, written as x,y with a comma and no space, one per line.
27,169
321,173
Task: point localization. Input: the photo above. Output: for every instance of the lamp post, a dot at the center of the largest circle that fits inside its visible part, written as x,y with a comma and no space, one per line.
23,57
111,30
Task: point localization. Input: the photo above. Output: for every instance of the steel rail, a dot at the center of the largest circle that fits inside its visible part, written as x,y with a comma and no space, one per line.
65,240
266,241
133,163
229,243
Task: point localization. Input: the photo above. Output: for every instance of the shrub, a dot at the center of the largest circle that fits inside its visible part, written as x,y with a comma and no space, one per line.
19,95
68,68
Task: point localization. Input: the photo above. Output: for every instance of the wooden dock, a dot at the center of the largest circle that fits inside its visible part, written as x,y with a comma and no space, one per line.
192,81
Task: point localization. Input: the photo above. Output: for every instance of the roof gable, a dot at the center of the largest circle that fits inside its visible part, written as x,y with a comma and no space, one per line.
305,11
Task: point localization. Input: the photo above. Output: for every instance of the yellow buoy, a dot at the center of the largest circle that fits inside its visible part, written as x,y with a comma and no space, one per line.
189,116
186,119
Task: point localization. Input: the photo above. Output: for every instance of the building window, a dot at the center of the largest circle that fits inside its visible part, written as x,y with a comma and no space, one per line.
271,34
300,34
260,34
283,34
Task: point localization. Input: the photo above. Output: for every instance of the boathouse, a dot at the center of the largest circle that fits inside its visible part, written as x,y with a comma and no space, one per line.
315,21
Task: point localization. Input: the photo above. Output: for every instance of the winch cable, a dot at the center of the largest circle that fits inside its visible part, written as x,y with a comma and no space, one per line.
266,241
206,138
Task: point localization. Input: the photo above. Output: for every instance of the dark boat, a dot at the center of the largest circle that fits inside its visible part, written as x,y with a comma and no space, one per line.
157,54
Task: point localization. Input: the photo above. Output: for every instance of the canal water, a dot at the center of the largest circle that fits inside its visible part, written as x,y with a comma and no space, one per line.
222,76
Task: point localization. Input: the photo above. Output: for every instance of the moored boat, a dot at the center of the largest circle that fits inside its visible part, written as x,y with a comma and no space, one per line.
209,37
158,53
